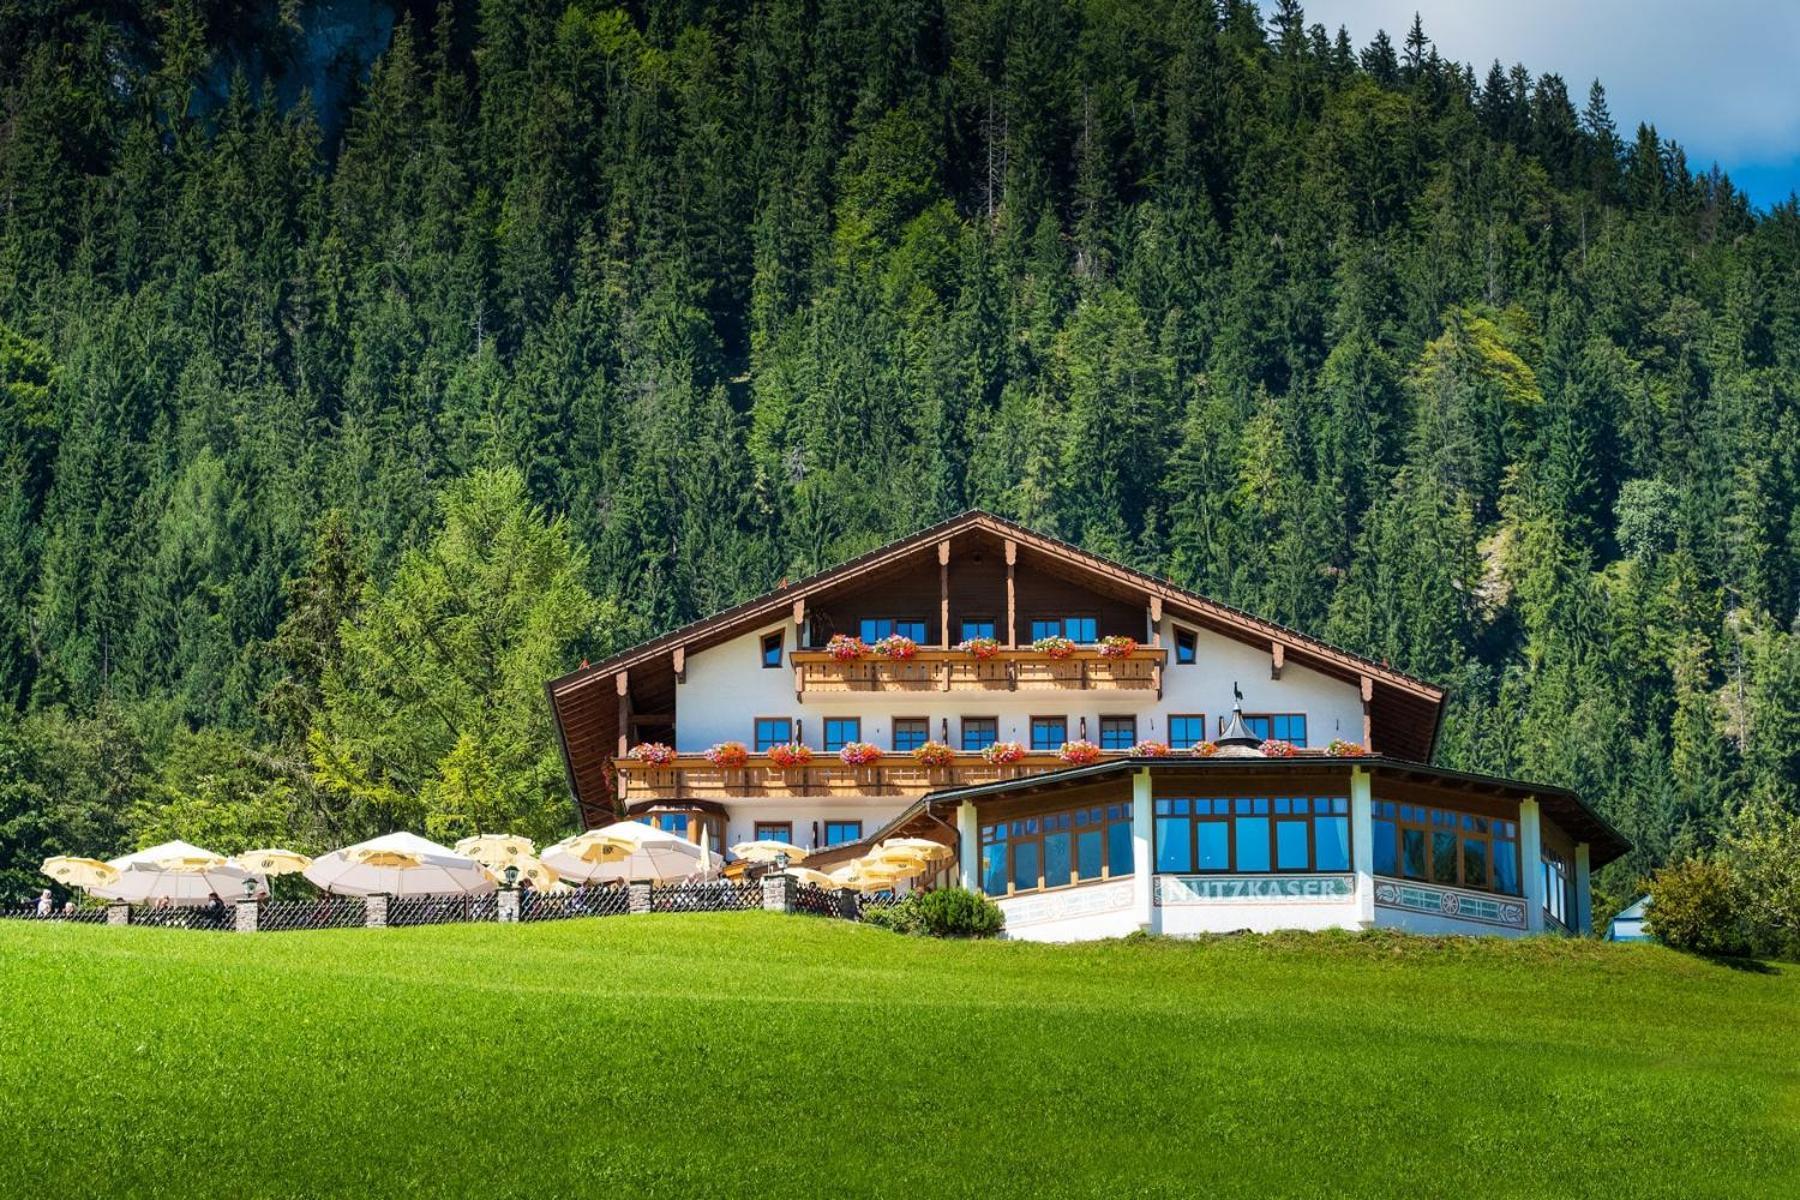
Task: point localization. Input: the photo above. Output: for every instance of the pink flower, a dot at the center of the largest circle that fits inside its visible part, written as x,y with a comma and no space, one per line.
653,754
1079,752
729,755
859,754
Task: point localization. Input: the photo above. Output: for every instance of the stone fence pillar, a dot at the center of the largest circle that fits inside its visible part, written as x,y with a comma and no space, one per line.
507,908
246,916
118,913
848,905
778,893
638,895
375,911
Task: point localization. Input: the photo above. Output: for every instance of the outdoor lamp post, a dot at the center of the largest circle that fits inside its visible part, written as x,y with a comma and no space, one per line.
250,888
781,862
512,876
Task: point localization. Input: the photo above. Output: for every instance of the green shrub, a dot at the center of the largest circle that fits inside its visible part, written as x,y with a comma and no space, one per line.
1695,906
945,913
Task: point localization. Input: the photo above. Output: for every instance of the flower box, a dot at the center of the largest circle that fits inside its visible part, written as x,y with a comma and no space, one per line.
896,647
1151,750
846,648
729,755
1117,646
1002,754
1079,752
981,648
1054,647
1204,749
653,754
1276,748
859,754
789,755
934,754
1339,748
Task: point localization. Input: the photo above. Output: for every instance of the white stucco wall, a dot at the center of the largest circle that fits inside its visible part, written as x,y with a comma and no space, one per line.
1176,917
742,816
727,687
1428,923
1078,914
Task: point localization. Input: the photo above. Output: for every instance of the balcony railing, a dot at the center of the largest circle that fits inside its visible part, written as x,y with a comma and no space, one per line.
817,672
690,776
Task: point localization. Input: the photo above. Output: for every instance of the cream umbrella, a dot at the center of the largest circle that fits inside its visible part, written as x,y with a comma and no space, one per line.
400,864
769,850
864,876
498,851
84,873
923,848
180,872
655,855
577,858
815,878
272,862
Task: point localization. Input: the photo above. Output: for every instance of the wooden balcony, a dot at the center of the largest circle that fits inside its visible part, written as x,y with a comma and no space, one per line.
818,673
691,777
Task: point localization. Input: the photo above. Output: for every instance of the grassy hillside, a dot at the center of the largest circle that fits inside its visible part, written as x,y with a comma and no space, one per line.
747,1054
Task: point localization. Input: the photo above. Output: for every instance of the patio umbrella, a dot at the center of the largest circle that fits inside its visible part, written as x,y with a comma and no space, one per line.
816,878
768,850
577,858
542,878
497,851
863,876
924,848
84,873
272,862
400,864
177,871
655,854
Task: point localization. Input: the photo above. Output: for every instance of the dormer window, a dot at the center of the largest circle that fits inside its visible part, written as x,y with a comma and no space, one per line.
771,649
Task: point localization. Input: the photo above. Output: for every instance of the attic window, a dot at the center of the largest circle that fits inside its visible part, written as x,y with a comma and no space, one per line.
1187,647
771,649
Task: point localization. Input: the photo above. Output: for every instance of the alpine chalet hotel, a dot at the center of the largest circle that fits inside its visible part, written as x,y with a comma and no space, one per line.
1104,751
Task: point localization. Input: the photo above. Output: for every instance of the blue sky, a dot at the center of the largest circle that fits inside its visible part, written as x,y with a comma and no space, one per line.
1723,79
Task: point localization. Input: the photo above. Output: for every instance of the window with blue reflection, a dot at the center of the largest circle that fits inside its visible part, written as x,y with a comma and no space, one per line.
1118,845
1044,629
1187,646
1506,867
1059,867
1288,727
978,733
1049,733
1090,853
910,733
1186,732
993,869
1076,629
839,832
1214,845
773,731
1252,837
873,629
1290,845
841,731
1331,843
1174,847
1025,866
977,629
1475,872
1387,853
1118,733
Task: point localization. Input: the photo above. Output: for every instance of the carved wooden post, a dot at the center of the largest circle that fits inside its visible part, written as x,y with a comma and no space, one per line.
944,593
1368,732
1012,621
622,682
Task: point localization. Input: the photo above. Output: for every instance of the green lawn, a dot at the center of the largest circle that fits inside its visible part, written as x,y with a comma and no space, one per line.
750,1054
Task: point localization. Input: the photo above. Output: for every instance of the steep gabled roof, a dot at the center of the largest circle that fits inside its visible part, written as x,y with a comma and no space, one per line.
1406,710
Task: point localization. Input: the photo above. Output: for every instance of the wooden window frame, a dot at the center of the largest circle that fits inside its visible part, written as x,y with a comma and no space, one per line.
1228,818
779,637
825,832
1130,717
1177,632
982,617
894,732
825,732
1031,730
985,840
1494,836
893,619
1269,717
758,831
756,736
1062,620
1171,718
962,723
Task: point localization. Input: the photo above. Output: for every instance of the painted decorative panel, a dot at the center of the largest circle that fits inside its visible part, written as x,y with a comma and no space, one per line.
1075,902
1450,902
1252,889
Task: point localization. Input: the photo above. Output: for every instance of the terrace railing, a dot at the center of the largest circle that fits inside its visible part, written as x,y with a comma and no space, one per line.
582,902
690,775
441,910
1018,670
720,896
326,912
29,912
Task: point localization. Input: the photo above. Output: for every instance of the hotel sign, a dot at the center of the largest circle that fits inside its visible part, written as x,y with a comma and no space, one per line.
1252,889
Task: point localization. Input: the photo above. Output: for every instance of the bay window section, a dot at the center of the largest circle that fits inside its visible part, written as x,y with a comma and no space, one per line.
1054,850
1445,847
1252,834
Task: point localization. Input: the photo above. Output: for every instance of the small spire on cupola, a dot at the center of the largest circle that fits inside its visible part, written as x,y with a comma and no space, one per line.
1236,740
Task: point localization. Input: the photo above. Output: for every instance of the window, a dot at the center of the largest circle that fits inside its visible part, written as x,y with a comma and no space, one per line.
1049,733
841,731
676,823
771,649
1556,885
1438,845
1187,731
1076,629
774,831
977,627
1253,834
839,832
1056,849
1187,647
873,629
1118,733
910,733
773,731
1283,727
978,733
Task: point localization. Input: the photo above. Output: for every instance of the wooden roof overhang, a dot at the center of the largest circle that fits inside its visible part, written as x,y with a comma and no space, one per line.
1567,809
1404,711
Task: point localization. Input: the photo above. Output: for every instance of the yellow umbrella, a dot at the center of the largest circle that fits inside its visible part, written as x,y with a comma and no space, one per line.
192,864
924,848
596,846
542,877
768,850
816,878
497,850
375,856
82,873
272,862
